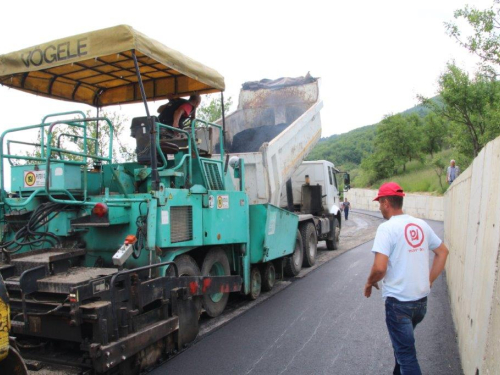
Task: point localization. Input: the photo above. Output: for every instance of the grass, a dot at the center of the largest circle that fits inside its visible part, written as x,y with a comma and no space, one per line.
419,177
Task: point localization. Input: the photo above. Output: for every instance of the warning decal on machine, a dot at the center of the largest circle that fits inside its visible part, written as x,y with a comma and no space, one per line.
164,218
222,202
34,179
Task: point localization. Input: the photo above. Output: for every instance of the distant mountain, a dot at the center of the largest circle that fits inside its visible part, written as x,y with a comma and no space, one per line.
345,149
421,110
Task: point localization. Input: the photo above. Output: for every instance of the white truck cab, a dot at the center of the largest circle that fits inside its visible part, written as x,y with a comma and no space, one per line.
320,172
313,193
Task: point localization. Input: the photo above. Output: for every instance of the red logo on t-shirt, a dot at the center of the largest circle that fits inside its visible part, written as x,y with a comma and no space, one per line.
414,235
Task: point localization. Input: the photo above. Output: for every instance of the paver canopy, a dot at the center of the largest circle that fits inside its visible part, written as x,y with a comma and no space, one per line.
97,68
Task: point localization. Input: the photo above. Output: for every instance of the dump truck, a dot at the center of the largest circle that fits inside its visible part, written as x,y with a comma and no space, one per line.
275,126
108,265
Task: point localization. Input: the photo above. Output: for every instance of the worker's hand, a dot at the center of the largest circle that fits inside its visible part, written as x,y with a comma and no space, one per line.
430,284
368,289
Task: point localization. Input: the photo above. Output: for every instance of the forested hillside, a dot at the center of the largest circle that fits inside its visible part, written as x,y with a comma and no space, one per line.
346,150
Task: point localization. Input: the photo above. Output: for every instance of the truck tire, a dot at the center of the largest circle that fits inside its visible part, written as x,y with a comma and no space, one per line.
334,244
309,243
268,274
293,262
215,264
187,266
255,283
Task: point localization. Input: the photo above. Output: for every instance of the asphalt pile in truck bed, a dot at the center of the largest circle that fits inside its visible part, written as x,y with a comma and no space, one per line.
250,140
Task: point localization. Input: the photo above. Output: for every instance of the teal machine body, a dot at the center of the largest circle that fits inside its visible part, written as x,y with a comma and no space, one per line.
109,264
194,209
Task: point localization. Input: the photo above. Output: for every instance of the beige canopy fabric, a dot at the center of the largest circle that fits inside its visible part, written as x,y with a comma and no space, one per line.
97,68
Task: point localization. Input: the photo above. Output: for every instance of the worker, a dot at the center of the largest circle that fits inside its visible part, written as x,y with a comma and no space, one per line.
452,172
346,206
176,111
401,248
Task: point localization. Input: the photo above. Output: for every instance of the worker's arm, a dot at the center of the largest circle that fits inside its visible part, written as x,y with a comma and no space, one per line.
177,116
377,273
440,255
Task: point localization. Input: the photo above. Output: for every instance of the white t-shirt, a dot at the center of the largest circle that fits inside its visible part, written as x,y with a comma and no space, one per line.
406,241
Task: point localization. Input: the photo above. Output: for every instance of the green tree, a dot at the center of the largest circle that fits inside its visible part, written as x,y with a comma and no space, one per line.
472,107
482,38
435,131
397,142
379,165
122,151
67,137
210,109
400,136
439,167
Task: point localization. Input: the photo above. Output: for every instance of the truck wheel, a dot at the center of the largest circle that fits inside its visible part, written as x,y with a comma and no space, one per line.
310,243
268,274
187,266
334,244
255,283
293,263
215,264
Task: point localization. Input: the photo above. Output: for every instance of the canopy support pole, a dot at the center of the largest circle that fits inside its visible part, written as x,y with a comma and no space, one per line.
155,183
97,133
223,121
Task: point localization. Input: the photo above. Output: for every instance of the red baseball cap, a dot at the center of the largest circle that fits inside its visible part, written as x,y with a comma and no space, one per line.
388,189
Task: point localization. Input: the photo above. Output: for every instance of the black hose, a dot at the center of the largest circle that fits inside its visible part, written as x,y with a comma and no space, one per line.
29,234
141,234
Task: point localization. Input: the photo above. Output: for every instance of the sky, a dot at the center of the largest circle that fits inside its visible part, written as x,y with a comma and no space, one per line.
373,57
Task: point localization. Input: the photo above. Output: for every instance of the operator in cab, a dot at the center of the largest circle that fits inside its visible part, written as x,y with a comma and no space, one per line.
177,111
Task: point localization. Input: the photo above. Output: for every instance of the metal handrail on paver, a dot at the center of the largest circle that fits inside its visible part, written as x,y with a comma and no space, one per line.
46,153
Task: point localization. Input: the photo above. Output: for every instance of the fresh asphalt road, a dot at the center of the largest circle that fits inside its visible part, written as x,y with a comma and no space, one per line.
322,324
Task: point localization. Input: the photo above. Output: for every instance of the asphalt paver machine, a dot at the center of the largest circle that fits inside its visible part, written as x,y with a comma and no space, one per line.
88,245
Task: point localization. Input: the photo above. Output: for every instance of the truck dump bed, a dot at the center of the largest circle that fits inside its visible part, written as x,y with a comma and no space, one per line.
276,125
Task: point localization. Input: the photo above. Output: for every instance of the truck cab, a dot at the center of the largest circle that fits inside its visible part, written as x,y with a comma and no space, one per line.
313,194
322,173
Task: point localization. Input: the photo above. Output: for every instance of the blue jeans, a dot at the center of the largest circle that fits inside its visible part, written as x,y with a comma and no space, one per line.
346,213
402,318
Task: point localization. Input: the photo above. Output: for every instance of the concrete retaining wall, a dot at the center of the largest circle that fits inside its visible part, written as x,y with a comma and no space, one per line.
472,233
422,206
